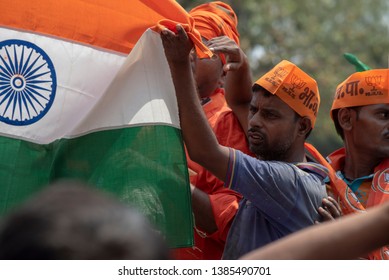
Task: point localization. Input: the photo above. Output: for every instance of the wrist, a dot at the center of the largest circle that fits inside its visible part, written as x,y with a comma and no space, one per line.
179,64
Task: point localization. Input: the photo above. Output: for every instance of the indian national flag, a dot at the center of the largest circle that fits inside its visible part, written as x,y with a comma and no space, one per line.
78,99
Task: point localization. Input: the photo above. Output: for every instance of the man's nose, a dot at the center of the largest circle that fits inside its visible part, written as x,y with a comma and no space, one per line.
255,120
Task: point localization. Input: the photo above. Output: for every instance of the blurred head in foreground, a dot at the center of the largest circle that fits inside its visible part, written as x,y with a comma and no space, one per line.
69,220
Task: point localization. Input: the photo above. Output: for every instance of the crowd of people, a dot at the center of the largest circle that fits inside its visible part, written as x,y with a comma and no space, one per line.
284,184
258,189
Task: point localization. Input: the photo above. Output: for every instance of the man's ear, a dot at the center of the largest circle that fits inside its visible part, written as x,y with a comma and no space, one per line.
305,126
345,118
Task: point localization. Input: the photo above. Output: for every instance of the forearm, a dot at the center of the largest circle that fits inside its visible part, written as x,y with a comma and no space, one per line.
200,141
347,238
238,81
238,84
238,92
195,129
202,210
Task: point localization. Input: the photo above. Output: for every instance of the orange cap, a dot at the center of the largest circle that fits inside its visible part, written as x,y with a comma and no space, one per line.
215,19
362,88
295,87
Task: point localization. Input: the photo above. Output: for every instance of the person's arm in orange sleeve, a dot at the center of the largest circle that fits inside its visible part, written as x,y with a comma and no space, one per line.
225,204
202,211
214,212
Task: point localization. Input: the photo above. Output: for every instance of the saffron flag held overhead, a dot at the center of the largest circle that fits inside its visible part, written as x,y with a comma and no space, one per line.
84,96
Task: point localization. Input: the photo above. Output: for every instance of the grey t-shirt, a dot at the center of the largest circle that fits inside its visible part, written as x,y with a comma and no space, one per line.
278,198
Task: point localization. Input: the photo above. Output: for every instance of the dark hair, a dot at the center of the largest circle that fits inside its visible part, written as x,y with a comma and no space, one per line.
257,87
267,93
70,220
335,119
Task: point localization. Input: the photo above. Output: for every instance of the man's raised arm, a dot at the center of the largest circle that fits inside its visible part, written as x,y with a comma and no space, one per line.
200,141
238,80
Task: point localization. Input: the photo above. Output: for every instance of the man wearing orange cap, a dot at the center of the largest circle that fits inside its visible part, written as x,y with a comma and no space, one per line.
214,206
360,112
281,192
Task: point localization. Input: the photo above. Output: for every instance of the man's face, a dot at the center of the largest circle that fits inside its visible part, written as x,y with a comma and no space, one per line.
273,127
370,134
208,73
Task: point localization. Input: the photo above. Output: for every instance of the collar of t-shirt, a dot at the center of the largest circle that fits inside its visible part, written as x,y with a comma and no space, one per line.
356,183
360,186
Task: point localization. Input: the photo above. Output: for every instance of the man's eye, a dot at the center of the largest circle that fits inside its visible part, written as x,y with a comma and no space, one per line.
253,110
269,115
383,115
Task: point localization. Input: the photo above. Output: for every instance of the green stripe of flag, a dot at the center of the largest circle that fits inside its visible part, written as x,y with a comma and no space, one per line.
125,161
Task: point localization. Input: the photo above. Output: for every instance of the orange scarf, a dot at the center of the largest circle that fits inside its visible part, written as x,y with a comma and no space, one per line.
216,19
347,199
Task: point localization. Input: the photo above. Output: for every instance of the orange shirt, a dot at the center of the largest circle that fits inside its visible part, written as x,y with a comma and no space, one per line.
359,195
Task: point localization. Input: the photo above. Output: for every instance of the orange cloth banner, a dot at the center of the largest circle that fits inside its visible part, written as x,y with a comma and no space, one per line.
114,25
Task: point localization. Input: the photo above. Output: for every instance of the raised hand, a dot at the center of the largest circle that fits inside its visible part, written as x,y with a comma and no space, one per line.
235,57
177,46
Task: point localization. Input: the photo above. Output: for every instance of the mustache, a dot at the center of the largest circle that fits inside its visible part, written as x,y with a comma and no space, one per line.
256,131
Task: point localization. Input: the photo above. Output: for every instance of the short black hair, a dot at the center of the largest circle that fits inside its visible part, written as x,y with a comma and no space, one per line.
257,87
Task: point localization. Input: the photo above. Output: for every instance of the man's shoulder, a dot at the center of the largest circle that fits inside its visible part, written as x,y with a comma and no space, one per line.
280,167
313,167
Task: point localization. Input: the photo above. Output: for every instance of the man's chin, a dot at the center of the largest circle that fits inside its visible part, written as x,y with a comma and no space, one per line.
253,149
268,155
258,151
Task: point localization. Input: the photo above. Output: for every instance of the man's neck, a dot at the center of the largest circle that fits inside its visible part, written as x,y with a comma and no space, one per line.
358,164
297,155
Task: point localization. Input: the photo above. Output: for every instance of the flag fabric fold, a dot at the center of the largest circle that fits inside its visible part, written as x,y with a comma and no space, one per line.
74,104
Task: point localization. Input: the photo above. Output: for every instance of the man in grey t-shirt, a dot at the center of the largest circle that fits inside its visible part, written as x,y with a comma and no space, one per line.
282,114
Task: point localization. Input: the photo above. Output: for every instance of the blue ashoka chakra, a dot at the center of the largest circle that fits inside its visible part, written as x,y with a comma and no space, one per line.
27,82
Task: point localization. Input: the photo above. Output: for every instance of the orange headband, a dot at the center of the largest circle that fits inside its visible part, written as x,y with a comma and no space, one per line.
363,88
294,87
215,19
